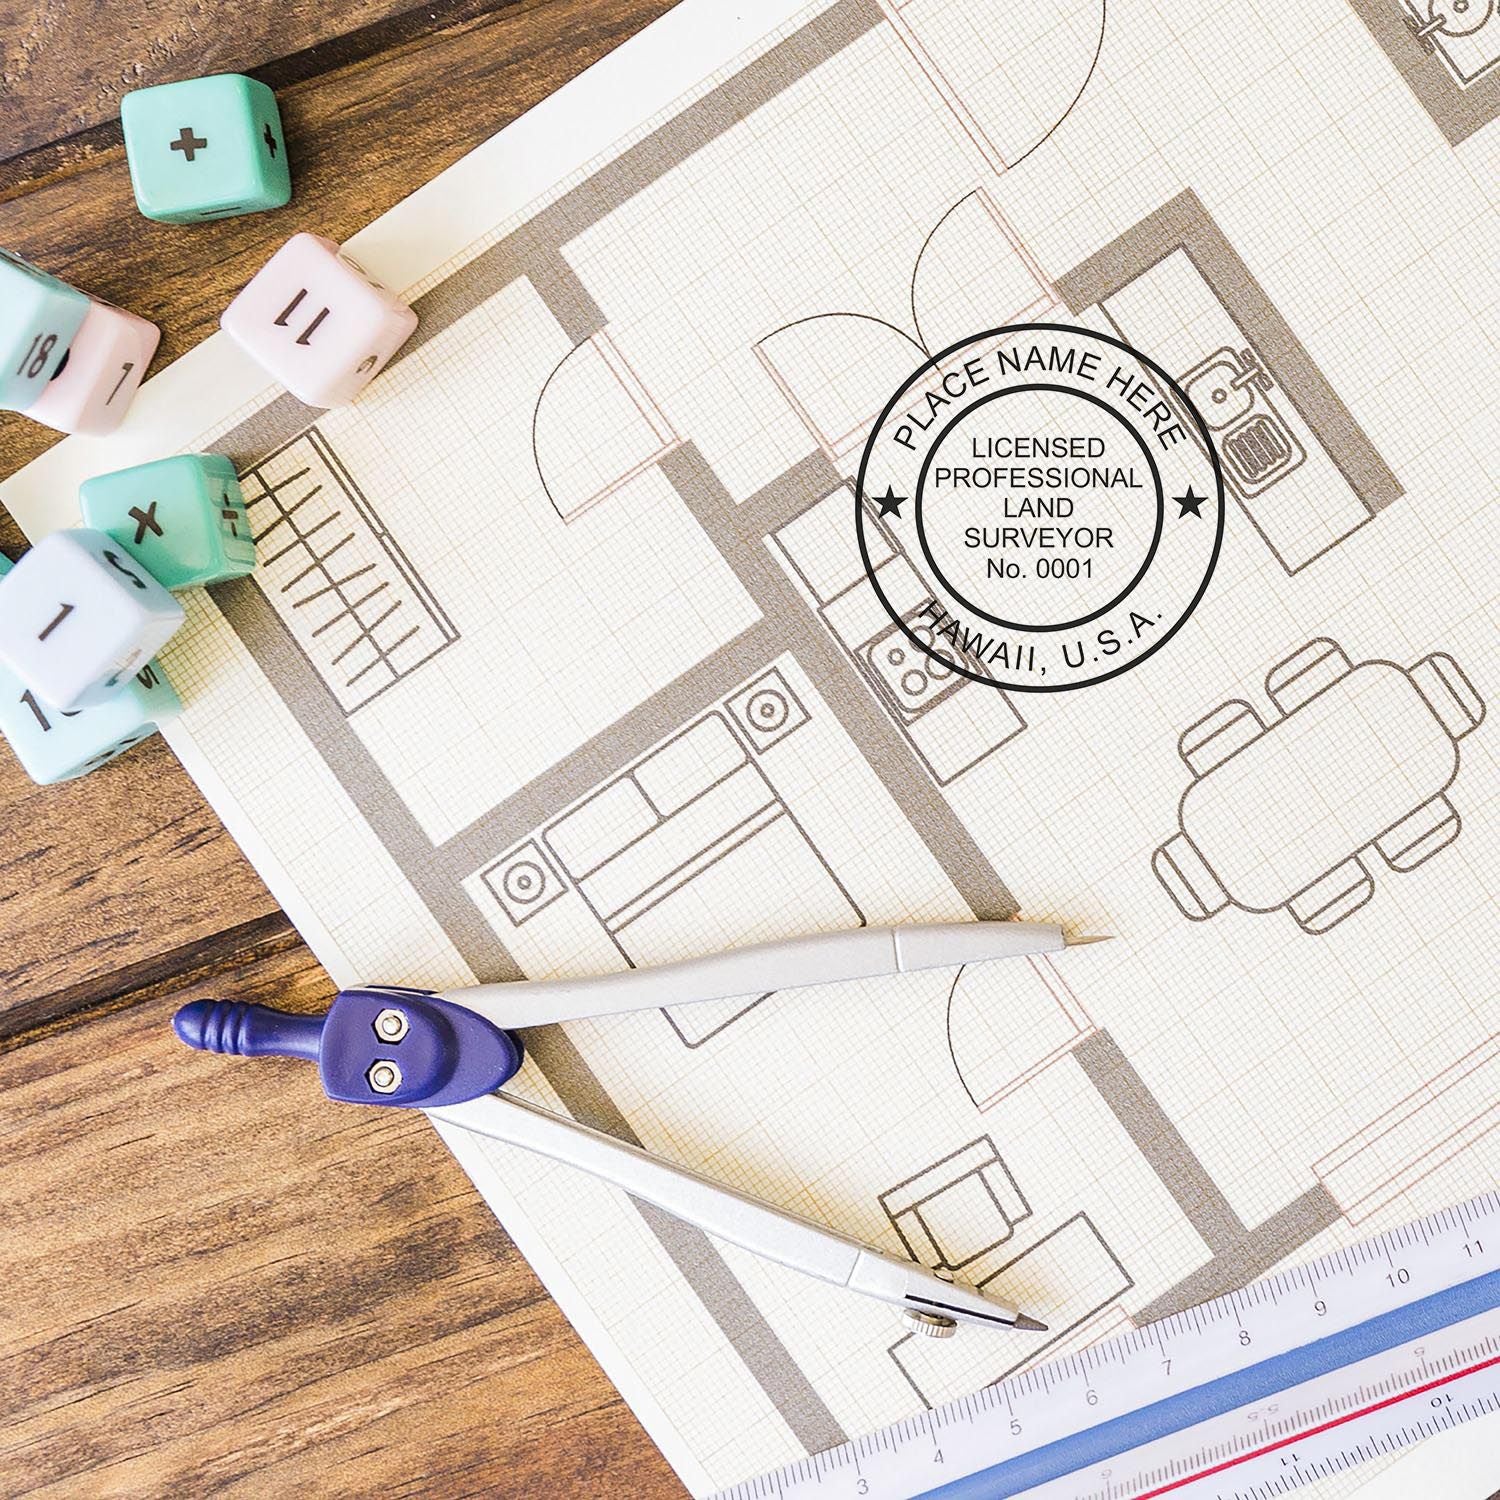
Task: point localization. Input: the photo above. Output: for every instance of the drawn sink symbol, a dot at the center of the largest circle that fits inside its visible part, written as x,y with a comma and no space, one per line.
1456,17
1213,391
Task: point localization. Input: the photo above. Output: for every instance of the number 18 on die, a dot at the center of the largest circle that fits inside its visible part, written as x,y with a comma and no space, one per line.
38,317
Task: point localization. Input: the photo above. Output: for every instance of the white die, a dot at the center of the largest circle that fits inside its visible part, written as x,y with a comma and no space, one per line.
103,369
78,615
314,319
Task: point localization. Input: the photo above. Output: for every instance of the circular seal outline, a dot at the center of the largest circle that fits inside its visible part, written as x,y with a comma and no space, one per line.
1020,625
931,363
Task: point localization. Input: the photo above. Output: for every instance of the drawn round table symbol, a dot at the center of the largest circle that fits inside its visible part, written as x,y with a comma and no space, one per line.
1055,503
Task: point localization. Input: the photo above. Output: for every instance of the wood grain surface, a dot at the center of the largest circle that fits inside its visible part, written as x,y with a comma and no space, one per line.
211,1280
53,87
215,1280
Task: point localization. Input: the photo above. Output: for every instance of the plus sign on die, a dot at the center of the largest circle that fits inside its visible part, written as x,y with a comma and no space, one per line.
79,616
189,144
205,148
317,322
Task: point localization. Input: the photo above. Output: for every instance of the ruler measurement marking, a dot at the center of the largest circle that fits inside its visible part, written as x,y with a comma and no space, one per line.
1363,1314
1384,1444
1489,1347
1328,1425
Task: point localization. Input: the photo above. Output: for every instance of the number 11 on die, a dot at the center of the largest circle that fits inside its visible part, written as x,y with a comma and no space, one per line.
317,322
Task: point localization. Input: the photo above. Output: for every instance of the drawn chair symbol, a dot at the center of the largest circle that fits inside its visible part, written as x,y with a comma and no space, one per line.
1209,743
958,1209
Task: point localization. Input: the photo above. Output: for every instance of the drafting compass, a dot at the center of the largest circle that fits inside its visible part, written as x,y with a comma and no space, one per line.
449,1054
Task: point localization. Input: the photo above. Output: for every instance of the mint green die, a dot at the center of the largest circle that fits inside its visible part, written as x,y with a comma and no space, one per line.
38,317
55,746
182,519
205,148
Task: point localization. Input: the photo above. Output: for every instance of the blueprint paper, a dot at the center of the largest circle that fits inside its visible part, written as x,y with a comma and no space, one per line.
562,656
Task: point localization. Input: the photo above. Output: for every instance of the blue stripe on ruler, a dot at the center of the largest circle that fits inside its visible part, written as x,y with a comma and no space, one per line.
1240,1388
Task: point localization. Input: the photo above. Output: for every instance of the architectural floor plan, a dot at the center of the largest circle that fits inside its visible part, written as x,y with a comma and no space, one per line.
561,657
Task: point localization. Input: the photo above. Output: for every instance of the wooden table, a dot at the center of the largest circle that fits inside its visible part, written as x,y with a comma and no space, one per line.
210,1278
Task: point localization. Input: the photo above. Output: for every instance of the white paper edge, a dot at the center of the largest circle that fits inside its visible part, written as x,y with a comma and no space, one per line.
640,78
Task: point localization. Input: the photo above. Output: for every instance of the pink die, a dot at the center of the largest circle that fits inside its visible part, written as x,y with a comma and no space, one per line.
101,372
315,320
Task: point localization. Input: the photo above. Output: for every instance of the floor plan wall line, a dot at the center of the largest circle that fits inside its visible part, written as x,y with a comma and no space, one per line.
928,810
784,497
1160,1142
1416,35
1184,224
638,699
1271,1241
569,1075
538,243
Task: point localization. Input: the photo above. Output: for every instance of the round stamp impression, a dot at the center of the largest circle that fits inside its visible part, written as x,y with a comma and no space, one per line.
1056,498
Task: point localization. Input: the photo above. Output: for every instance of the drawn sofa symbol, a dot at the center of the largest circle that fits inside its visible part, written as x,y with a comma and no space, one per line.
1278,815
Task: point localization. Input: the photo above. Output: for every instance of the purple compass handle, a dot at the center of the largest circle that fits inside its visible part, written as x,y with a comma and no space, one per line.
376,1046
247,1030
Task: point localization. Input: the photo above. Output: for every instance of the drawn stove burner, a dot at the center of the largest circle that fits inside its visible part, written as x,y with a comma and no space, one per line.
1278,815
766,711
949,734
912,681
1465,34
1231,392
524,882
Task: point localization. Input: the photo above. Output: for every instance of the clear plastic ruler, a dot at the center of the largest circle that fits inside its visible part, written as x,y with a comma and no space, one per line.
1304,1374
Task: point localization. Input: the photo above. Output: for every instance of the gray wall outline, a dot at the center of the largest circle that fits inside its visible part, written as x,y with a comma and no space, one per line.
1457,110
1183,223
787,627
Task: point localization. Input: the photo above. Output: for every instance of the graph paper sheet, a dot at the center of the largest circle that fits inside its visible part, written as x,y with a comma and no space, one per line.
560,659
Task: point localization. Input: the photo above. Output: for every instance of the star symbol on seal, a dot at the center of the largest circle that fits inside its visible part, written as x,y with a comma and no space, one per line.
890,503
1190,504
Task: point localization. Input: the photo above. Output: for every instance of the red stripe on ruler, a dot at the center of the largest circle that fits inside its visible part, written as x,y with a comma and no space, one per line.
1364,1411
